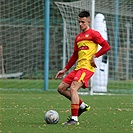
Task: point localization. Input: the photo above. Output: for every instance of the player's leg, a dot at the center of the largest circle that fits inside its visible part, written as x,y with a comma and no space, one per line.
65,84
63,90
74,103
77,83
83,106
75,86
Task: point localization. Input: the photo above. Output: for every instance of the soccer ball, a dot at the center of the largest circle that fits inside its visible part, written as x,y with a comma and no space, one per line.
51,117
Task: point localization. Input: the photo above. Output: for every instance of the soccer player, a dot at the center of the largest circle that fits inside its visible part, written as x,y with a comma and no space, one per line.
85,52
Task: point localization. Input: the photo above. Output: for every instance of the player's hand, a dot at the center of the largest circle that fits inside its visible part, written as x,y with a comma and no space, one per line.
93,62
60,73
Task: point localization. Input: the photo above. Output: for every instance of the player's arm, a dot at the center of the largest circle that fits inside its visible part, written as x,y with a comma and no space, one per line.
72,60
97,38
105,48
70,63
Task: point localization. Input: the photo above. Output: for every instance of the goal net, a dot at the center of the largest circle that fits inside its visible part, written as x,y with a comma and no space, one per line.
21,42
23,33
119,23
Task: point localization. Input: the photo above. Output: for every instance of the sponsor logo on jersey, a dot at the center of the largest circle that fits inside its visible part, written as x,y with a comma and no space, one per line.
83,48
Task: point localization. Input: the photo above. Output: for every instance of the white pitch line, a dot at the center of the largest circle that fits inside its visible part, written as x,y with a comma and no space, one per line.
102,94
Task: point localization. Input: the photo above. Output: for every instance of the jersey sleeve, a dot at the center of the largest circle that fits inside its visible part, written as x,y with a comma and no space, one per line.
73,58
105,48
75,46
97,38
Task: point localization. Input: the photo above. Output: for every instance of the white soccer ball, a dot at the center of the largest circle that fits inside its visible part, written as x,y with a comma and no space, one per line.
51,117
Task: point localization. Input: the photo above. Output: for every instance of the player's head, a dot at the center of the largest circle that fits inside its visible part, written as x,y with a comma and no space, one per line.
84,20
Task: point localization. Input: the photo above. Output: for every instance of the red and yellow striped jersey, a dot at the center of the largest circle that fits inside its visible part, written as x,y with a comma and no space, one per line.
86,45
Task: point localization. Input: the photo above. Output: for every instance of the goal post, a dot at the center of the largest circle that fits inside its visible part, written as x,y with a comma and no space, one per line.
2,70
46,44
92,12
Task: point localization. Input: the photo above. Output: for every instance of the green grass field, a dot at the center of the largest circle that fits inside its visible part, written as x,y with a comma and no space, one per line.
23,112
30,84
